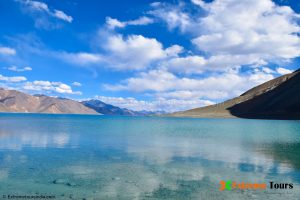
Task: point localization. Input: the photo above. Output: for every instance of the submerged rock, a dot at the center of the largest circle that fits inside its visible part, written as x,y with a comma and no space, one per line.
64,182
71,184
60,181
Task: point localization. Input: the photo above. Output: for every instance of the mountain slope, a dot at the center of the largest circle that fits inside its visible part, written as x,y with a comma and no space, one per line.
275,99
15,101
108,109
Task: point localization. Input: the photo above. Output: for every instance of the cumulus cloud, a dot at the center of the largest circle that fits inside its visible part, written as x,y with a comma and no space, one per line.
119,52
252,39
232,33
188,65
48,86
19,69
196,64
7,51
160,104
283,71
257,28
192,94
133,52
174,50
12,79
115,23
172,15
166,84
40,11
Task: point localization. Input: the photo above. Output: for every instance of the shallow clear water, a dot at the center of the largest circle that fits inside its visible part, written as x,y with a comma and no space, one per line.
101,157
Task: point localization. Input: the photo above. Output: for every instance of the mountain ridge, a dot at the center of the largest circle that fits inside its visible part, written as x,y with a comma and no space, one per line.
15,101
109,109
274,99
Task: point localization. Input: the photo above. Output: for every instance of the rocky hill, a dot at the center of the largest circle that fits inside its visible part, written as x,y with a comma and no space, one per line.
275,99
15,101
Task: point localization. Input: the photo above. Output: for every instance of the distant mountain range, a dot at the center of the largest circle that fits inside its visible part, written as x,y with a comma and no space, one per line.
108,109
275,99
15,101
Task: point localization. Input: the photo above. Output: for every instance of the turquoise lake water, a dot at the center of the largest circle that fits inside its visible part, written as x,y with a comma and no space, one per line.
101,157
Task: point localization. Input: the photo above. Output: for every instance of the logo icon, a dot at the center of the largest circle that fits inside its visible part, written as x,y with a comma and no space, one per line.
225,185
232,185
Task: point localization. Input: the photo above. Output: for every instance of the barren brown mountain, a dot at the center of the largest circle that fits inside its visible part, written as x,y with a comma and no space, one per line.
15,101
275,99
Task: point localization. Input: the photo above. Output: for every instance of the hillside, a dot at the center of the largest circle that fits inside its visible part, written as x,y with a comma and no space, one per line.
108,109
275,99
15,101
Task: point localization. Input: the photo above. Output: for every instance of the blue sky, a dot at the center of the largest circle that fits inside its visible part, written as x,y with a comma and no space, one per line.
147,55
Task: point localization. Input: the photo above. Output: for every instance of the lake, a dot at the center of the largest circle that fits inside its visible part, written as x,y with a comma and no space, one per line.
103,157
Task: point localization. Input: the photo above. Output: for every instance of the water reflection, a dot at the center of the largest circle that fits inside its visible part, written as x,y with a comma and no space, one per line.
118,158
285,153
162,150
17,141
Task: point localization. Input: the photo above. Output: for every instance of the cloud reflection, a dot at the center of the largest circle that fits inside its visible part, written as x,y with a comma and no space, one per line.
17,141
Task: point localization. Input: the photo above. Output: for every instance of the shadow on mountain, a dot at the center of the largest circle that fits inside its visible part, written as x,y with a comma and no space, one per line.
279,102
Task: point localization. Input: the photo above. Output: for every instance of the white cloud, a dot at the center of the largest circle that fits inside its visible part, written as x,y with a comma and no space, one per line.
154,80
199,3
134,52
115,23
140,21
174,50
7,51
48,86
119,52
169,105
19,69
257,28
189,64
268,70
77,84
12,79
232,33
81,58
283,71
165,84
63,16
195,64
172,15
193,94
37,7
